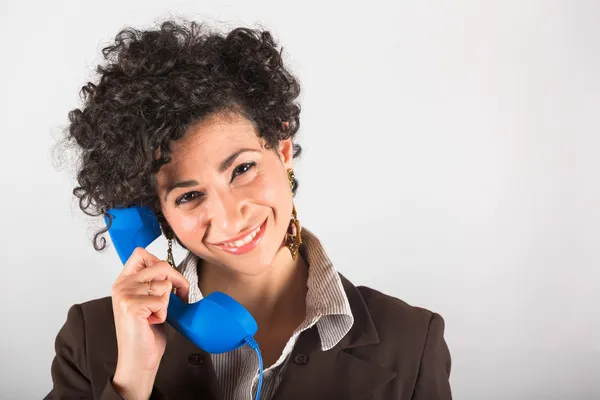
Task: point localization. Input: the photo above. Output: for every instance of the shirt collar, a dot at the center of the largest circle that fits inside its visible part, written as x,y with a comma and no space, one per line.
327,305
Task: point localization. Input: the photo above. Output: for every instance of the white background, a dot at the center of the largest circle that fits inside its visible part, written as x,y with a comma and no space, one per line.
451,159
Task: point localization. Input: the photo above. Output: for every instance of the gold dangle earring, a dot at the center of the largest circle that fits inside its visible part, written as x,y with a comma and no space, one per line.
170,254
170,259
293,236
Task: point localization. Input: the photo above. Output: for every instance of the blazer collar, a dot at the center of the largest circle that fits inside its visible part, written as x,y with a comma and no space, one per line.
336,373
364,332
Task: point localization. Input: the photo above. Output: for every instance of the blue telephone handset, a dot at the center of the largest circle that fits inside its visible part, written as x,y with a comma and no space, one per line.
217,323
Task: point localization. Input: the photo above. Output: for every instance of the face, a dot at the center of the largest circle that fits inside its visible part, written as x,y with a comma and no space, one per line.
226,197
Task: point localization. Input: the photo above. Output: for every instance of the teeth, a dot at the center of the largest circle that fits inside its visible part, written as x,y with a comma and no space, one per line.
246,240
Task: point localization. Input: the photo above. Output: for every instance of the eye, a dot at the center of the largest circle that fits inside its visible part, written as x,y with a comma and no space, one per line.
187,197
241,169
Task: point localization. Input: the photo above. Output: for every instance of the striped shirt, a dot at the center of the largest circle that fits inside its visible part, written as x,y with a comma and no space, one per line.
327,307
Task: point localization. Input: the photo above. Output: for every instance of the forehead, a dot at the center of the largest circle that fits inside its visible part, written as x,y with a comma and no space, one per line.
207,143
214,136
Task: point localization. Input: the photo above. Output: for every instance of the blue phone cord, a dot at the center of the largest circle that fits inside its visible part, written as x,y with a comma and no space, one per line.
252,343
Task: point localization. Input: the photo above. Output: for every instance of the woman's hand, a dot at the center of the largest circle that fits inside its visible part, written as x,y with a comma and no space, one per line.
140,296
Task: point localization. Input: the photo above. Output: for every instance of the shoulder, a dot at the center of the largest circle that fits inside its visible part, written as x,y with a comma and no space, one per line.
393,315
397,331
101,307
95,312
390,316
89,328
410,341
91,314
85,351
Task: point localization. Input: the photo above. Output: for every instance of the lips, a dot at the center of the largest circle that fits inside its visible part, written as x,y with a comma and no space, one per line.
245,243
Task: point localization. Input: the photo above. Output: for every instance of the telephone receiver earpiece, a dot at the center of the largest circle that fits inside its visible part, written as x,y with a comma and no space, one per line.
217,323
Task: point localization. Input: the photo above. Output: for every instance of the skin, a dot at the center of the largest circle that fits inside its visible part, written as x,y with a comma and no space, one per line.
214,207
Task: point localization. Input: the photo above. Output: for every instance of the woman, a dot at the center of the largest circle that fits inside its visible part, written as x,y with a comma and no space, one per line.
200,127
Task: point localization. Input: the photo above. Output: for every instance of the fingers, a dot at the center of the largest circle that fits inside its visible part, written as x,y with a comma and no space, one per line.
163,271
139,260
141,265
152,308
137,284
151,288
143,289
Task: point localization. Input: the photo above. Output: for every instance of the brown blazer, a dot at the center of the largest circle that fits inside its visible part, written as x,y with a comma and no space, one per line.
393,351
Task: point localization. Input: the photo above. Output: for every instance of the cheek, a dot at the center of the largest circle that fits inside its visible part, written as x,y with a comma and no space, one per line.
190,224
269,190
274,191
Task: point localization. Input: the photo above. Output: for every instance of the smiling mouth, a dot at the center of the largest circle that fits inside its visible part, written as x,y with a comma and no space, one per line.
246,243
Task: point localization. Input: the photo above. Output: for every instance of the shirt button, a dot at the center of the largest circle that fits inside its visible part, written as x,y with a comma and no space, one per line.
300,359
195,359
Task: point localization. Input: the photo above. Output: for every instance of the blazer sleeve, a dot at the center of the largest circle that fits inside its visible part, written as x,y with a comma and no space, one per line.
70,376
433,381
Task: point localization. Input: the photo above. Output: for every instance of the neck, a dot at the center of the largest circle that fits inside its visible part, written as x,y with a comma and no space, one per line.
276,296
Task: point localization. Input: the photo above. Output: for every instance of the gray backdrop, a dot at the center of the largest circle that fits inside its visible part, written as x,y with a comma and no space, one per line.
451,159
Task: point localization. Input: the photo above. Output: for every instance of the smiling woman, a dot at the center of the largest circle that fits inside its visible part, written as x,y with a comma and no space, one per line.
200,127
236,195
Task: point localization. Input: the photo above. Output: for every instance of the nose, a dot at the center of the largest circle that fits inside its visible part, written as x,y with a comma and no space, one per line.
227,213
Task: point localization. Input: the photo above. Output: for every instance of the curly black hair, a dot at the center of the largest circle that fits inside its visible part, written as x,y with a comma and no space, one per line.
153,86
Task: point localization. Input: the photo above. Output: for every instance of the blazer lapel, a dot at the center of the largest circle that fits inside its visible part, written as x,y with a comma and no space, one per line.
335,374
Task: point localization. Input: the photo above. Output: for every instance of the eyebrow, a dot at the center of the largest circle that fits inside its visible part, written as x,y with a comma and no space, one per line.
223,166
226,163
181,184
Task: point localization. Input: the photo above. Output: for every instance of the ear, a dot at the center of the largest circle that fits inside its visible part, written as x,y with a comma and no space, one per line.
285,149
